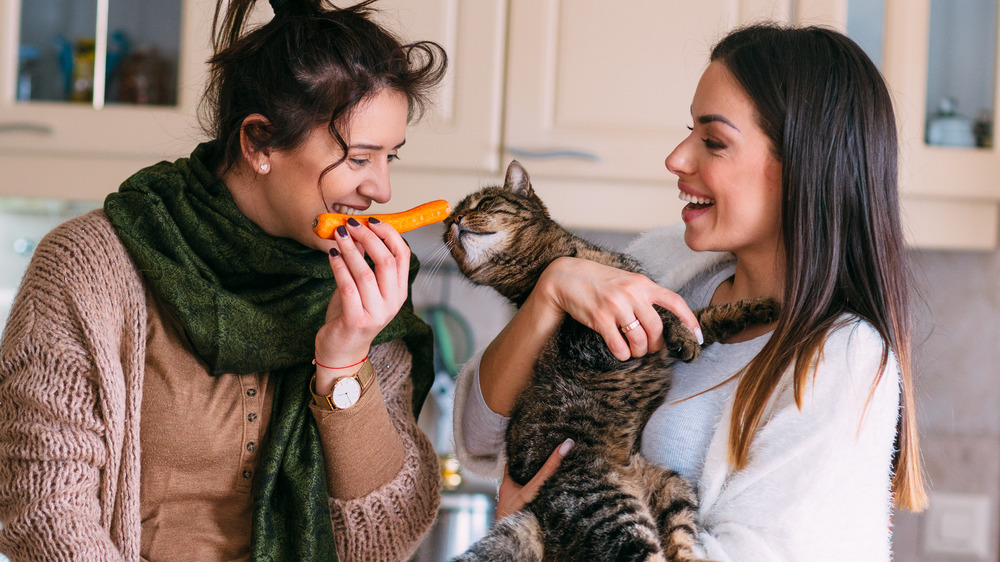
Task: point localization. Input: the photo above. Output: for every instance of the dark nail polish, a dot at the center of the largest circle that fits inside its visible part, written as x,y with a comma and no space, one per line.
334,252
341,231
353,222
373,220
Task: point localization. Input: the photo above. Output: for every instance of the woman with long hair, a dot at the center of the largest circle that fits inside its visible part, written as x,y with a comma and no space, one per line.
799,436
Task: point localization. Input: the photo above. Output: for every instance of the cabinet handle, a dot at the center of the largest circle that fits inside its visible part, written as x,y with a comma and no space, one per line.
553,154
36,128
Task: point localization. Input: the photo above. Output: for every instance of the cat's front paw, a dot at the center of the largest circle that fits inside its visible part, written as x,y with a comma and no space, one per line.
681,342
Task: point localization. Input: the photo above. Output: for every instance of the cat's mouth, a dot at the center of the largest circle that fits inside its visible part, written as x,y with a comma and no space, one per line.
473,246
460,231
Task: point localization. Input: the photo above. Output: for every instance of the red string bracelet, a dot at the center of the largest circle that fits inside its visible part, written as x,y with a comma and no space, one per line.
315,362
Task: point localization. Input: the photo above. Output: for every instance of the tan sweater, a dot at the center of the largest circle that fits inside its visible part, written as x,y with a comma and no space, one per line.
72,368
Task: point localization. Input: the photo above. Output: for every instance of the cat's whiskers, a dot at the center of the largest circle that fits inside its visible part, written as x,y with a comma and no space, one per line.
432,265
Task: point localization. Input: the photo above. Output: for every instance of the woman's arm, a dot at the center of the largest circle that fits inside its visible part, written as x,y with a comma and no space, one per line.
58,461
388,522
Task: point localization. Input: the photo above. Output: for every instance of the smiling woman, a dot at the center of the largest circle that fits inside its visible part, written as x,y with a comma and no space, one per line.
205,334
791,187
283,190
728,172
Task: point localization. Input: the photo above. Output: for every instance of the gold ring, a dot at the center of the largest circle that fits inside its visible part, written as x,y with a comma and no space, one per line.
631,326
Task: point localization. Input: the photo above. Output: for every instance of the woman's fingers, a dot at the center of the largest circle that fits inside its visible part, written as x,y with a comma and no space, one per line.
382,289
675,304
397,248
610,300
512,498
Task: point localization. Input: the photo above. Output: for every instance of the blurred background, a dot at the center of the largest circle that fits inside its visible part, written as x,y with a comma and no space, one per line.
590,98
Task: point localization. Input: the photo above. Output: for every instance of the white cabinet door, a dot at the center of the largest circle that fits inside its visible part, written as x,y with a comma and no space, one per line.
461,129
601,91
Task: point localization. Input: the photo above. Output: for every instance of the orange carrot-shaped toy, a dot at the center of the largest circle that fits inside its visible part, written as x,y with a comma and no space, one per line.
405,221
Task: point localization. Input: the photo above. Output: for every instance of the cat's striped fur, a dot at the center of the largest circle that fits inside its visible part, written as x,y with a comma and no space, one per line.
605,502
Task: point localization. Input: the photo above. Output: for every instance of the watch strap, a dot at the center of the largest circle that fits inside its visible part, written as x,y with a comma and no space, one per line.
364,376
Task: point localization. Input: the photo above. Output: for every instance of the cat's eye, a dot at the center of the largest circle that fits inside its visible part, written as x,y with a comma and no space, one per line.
486,203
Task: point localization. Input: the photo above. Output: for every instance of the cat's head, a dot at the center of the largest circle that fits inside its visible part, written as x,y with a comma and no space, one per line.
496,234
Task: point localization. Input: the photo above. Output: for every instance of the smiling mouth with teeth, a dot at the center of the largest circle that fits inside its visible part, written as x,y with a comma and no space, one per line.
335,208
694,201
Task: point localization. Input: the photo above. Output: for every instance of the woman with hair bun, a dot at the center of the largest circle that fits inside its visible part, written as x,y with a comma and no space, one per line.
190,373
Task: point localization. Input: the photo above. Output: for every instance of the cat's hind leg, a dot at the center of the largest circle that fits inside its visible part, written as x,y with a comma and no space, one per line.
515,538
674,505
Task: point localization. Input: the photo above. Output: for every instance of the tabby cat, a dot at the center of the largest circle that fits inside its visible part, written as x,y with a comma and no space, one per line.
605,502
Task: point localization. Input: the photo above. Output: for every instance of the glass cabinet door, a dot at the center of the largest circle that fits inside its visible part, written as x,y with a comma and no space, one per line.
92,90
961,73
99,51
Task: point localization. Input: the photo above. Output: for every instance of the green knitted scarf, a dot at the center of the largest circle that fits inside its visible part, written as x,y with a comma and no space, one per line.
250,303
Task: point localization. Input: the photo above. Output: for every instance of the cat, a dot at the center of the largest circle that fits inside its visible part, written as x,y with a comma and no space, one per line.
605,501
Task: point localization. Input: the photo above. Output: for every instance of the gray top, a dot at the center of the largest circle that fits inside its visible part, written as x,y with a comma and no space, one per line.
679,431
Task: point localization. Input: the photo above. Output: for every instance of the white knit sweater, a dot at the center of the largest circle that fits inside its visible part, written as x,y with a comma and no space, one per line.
817,485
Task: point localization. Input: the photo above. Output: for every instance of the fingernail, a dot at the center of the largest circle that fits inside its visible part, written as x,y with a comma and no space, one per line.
334,252
353,222
373,220
566,447
341,231
699,336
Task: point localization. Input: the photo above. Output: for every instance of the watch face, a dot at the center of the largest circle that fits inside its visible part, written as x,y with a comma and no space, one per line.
346,392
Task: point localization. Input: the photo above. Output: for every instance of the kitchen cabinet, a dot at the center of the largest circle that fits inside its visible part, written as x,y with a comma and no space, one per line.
594,92
957,188
460,131
594,99
950,196
57,147
589,98
75,150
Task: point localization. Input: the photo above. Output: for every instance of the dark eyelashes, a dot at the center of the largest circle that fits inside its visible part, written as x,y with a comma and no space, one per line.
709,143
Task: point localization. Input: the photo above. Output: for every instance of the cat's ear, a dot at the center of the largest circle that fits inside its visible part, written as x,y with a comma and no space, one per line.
517,179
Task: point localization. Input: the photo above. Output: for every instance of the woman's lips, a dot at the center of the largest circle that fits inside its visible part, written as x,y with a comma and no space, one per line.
696,206
345,210
695,199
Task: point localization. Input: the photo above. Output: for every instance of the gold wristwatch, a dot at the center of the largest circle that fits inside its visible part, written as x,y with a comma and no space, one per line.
347,391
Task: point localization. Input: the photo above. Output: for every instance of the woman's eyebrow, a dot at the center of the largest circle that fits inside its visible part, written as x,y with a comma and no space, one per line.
705,119
367,146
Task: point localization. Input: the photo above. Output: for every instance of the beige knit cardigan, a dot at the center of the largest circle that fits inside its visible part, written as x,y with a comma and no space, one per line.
71,374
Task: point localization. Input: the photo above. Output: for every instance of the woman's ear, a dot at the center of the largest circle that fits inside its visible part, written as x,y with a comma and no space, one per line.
255,128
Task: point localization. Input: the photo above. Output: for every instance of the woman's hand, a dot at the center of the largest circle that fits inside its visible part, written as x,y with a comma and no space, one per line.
609,301
366,299
512,497
598,296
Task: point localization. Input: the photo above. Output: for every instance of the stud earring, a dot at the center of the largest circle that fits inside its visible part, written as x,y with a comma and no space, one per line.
264,166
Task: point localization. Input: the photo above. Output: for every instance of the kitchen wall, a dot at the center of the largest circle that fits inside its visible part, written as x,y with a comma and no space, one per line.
957,369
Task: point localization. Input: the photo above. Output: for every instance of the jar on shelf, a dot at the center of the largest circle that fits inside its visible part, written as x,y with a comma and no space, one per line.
83,70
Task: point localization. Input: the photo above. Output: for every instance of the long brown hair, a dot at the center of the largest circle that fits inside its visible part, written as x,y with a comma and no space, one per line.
828,114
311,64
